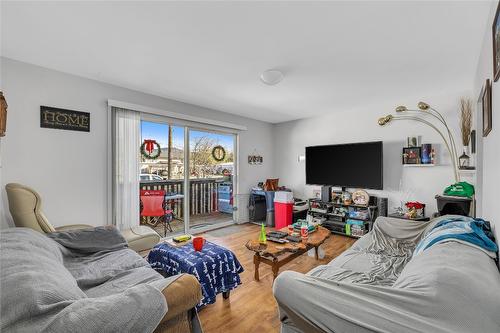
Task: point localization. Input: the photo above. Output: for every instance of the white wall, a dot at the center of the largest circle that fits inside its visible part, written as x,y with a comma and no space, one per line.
69,168
360,125
491,143
3,213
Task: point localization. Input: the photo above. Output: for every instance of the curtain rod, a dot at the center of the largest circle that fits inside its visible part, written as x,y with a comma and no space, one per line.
181,116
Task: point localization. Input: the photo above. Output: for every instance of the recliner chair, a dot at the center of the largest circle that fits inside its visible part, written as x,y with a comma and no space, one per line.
25,206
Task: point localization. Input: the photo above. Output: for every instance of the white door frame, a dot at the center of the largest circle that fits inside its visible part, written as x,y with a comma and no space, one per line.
187,149
187,227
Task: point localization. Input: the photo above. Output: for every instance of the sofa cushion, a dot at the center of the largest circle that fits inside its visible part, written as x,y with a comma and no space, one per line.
39,293
451,287
376,259
122,280
141,238
181,295
460,280
95,270
33,277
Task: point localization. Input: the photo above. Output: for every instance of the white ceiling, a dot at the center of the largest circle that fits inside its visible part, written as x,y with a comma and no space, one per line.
335,55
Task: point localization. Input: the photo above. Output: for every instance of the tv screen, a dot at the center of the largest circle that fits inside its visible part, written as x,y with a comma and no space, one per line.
348,165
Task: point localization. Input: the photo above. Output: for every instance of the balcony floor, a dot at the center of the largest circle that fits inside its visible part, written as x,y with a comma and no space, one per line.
196,221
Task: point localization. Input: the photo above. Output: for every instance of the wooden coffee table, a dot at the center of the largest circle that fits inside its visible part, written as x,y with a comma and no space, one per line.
277,255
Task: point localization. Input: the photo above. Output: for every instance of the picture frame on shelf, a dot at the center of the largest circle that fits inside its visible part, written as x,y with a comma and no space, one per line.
413,141
412,155
427,156
487,108
495,30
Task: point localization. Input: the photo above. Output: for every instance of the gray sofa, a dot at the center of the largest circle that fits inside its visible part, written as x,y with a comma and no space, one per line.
376,286
88,280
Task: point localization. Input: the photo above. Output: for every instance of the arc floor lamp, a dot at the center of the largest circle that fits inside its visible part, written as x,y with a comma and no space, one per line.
423,115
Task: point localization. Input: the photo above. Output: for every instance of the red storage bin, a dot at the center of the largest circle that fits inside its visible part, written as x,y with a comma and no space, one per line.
283,209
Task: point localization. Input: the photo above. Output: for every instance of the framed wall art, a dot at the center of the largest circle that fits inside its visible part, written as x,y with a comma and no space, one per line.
496,45
487,109
3,114
63,119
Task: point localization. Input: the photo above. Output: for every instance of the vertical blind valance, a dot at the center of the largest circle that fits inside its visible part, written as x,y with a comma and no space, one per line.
126,143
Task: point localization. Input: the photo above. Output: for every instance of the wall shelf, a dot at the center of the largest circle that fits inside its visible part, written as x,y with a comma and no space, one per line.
418,165
467,172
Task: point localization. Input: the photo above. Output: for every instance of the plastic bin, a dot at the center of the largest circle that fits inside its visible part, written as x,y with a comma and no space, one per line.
225,202
283,209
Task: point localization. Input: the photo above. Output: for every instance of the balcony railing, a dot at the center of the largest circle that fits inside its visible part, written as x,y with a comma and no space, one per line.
203,194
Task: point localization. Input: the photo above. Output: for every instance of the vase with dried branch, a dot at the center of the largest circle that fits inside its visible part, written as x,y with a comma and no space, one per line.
465,129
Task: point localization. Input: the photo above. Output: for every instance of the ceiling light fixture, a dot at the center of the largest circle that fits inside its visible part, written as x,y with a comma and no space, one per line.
271,77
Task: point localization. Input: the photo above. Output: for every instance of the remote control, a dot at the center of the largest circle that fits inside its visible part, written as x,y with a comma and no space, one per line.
277,240
277,234
295,239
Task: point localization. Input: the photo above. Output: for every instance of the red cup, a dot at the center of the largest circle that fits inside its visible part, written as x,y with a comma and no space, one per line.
198,243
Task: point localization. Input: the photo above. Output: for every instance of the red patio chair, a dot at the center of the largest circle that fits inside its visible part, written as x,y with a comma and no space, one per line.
153,206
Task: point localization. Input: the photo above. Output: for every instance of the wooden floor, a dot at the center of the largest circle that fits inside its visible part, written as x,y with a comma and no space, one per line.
251,307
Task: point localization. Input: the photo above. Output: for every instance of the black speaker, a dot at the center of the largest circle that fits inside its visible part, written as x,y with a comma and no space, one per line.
382,206
473,141
326,193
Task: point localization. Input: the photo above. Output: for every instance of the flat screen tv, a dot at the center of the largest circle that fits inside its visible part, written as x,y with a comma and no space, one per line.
356,165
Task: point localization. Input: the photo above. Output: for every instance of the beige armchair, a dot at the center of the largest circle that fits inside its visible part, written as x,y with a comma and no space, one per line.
25,206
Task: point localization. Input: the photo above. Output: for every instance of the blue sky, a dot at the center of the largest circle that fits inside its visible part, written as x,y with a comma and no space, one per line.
159,132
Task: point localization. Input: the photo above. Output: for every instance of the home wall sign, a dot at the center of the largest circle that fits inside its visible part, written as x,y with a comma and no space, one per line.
255,159
64,119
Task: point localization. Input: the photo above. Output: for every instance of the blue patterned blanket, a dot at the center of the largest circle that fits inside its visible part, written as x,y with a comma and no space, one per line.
216,268
461,229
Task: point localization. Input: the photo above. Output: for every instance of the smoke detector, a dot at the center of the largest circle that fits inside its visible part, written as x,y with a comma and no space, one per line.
271,77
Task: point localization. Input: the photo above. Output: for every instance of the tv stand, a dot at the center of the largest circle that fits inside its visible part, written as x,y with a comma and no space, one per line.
337,215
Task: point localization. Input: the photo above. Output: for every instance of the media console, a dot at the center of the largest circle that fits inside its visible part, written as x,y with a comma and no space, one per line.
347,219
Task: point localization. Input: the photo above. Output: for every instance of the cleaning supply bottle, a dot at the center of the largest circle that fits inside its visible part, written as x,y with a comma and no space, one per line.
262,236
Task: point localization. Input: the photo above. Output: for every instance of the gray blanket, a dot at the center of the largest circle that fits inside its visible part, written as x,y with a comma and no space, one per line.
376,286
379,257
81,281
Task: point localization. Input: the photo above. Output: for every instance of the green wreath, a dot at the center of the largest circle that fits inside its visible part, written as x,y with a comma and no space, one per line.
219,153
145,153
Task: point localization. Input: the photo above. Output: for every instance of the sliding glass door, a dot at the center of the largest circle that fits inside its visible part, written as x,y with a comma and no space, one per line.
211,170
162,169
187,171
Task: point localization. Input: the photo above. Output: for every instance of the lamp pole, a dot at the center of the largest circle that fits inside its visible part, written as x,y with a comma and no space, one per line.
424,109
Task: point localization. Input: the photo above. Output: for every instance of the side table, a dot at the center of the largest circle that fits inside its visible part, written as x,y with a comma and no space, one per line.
216,268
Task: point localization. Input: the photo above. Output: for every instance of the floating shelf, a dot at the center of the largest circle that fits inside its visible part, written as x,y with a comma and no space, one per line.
466,171
419,165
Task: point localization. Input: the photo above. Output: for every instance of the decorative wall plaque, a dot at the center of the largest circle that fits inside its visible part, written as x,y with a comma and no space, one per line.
3,114
64,119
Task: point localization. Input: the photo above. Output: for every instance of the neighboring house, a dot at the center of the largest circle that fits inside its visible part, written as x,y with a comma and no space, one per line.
145,176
